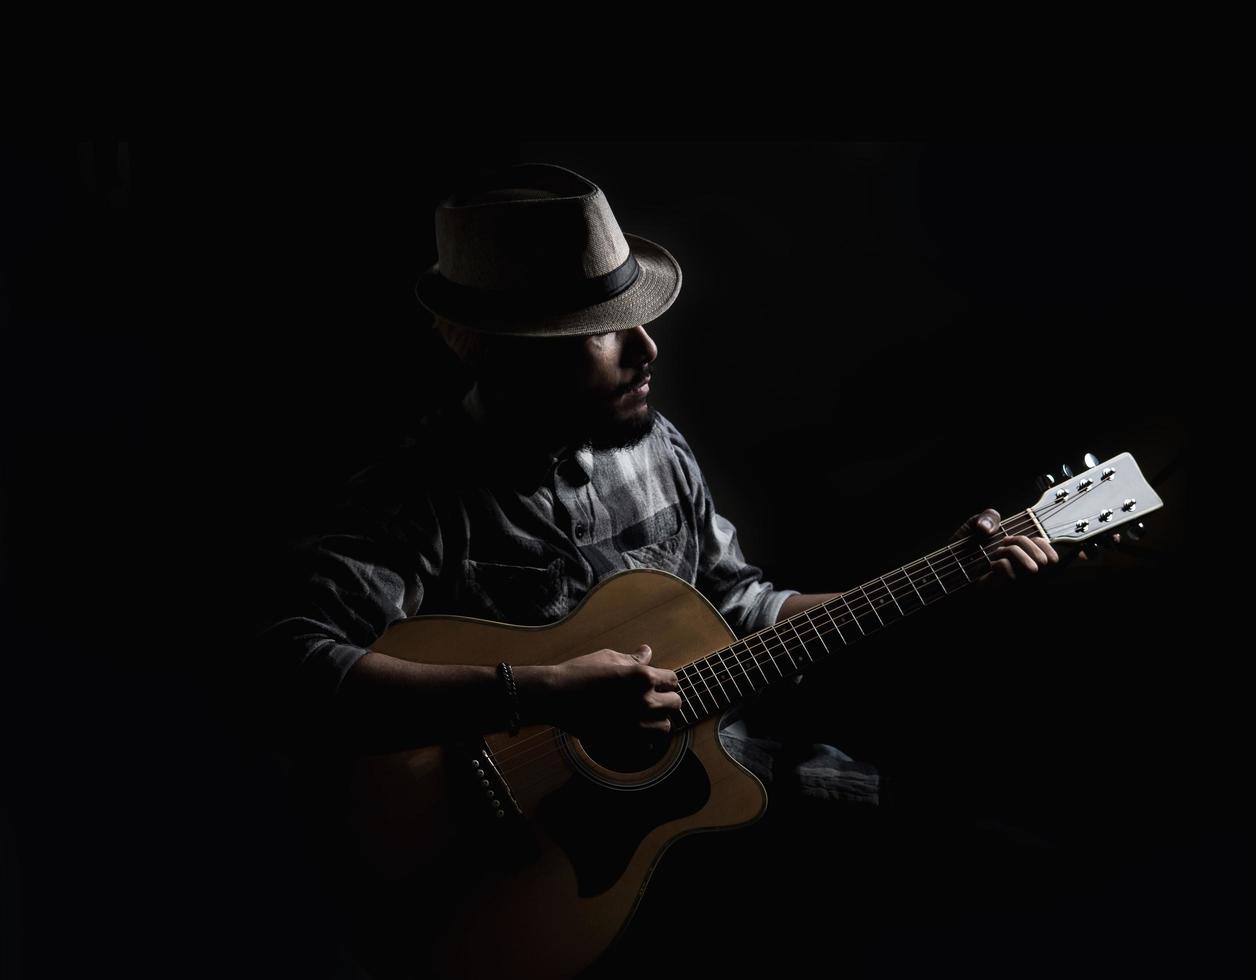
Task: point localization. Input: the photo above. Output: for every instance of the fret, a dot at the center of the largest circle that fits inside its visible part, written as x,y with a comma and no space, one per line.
914,592
751,666
697,668
785,651
730,672
710,677
851,612
716,670
974,550
814,629
765,659
876,604
686,701
872,606
934,572
930,584
802,644
746,665
890,596
950,553
987,564
836,627
905,595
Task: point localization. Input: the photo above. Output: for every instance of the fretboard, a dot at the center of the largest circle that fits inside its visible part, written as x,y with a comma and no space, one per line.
717,681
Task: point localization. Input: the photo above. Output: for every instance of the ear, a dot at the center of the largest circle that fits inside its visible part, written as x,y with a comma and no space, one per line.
468,344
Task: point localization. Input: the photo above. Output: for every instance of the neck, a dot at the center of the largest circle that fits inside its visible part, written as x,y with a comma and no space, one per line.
725,677
522,419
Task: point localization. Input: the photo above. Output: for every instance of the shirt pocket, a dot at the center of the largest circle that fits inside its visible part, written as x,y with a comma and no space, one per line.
527,595
671,554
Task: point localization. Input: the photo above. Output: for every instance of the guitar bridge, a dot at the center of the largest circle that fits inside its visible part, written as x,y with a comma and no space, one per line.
489,784
503,836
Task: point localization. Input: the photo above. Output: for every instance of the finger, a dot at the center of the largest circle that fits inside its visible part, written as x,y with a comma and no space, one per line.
671,701
983,523
1022,558
1045,545
664,702
1016,557
1029,547
643,653
987,521
647,676
665,680
1001,571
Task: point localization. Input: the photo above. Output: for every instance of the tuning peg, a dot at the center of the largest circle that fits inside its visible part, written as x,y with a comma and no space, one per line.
1135,531
1044,482
1091,460
1067,471
1102,542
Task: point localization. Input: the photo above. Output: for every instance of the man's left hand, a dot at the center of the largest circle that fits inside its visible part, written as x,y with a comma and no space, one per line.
1016,554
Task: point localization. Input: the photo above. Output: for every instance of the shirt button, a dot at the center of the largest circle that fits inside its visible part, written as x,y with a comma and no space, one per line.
579,530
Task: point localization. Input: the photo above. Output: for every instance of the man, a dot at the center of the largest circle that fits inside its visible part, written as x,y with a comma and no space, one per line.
553,472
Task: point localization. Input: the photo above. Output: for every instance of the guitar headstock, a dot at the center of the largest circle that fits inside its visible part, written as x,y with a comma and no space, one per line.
1095,502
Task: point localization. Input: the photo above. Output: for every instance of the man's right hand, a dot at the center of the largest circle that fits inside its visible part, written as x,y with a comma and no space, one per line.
607,691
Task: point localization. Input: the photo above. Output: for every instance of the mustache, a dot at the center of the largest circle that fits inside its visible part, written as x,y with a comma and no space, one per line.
641,379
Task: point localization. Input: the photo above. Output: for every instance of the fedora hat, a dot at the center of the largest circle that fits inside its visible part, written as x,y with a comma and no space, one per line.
533,249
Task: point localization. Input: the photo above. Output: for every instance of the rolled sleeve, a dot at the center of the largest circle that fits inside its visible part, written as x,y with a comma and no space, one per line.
338,591
345,591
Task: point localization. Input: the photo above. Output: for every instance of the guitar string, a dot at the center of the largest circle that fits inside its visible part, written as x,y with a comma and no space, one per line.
514,753
909,574
695,670
1015,524
537,776
1022,519
513,762
1010,527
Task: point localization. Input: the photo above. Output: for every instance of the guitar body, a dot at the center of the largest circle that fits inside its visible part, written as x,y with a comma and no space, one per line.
527,856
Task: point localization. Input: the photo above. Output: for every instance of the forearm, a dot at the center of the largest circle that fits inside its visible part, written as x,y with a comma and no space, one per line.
797,603
386,703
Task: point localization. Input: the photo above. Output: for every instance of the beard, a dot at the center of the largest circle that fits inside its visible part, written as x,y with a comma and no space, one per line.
558,419
598,427
620,433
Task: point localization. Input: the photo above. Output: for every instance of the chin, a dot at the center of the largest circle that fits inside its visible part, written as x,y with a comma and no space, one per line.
624,433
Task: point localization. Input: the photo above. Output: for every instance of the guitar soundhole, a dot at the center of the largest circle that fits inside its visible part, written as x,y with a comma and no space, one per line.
628,753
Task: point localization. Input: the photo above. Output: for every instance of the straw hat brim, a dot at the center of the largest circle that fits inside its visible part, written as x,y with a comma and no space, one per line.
655,290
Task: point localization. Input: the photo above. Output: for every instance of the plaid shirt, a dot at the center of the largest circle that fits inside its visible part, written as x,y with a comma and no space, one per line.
458,521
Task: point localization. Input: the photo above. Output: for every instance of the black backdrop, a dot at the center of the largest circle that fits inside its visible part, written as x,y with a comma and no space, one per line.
873,341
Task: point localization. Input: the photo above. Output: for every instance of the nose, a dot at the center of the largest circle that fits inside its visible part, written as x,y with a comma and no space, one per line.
642,349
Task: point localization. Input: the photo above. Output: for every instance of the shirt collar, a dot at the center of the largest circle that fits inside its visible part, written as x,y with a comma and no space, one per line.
532,468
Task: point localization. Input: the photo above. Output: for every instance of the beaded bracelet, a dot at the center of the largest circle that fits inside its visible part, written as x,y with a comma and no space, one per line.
512,690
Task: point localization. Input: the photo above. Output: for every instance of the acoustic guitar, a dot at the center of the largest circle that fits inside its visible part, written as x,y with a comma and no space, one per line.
526,856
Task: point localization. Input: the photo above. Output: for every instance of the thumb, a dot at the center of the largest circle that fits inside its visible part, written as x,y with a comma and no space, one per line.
982,524
643,653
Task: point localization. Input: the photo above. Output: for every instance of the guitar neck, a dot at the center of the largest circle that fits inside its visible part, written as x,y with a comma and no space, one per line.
721,679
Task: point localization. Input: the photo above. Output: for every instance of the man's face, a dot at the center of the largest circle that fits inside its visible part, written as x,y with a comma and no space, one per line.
578,389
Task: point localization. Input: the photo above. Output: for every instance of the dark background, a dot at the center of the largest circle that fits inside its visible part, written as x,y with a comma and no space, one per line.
203,336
